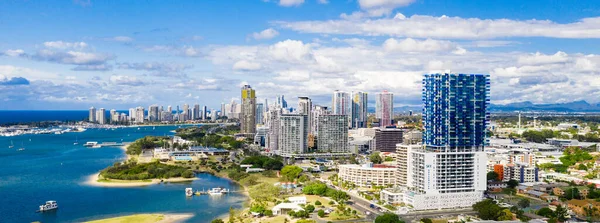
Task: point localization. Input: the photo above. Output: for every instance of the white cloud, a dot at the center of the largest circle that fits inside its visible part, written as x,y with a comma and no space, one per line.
444,27
125,80
540,58
269,33
412,45
72,57
244,65
65,45
14,53
290,3
290,50
382,7
293,75
323,1
123,39
186,51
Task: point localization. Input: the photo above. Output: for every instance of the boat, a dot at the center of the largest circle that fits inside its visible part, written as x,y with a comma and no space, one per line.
22,147
76,142
217,191
11,145
50,205
189,192
90,144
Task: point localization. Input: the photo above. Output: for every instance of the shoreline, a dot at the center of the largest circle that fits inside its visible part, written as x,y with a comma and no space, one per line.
92,180
167,217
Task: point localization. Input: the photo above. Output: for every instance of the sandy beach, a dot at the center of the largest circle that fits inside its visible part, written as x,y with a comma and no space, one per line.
147,218
92,180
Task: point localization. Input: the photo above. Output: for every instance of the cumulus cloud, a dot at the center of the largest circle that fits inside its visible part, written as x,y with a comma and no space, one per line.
269,33
65,45
540,58
72,57
14,81
13,53
290,3
186,51
290,50
245,65
125,80
98,67
382,7
412,45
445,27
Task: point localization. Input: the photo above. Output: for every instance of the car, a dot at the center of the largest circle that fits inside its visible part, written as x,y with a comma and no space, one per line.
372,206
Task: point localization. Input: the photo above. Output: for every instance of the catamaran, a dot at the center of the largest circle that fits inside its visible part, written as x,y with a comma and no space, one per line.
50,205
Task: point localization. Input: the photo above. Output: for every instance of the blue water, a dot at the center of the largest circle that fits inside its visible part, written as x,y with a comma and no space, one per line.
25,116
52,168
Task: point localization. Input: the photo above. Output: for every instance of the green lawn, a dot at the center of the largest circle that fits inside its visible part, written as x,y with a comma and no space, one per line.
143,218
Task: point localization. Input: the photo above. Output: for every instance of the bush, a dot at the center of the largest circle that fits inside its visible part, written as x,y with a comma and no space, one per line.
153,170
331,203
188,174
321,213
218,220
317,202
268,213
309,208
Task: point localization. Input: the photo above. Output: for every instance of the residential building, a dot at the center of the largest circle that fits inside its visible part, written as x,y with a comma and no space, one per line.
333,134
213,115
92,114
412,137
186,114
450,169
392,196
293,135
139,114
153,113
384,108
204,113
340,104
273,124
248,115
305,108
520,172
131,114
101,116
387,138
359,109
368,175
114,116
196,112
260,111
314,120
402,151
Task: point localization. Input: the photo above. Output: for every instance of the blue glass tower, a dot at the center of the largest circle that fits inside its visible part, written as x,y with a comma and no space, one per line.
454,112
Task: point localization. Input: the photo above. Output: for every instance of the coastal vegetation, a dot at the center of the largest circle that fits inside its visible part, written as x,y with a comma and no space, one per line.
264,162
212,136
144,171
148,142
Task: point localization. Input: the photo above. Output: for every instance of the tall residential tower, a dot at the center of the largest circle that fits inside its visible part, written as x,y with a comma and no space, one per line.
248,113
384,110
359,110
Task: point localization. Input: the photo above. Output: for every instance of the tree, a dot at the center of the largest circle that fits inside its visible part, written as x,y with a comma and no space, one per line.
546,212
582,166
309,208
388,218
505,215
492,176
375,158
290,173
561,214
231,215
426,220
314,188
524,203
264,192
321,213
512,183
572,193
218,220
487,209
338,196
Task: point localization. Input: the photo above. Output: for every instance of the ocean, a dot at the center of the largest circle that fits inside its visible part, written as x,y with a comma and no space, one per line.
52,168
25,116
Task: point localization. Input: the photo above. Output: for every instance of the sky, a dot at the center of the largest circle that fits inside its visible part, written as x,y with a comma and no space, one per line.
71,55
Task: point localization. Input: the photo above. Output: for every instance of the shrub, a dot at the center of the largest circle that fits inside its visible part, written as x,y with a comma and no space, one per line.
317,202
310,208
321,213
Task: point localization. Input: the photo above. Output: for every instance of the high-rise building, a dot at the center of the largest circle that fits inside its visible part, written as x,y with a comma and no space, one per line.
333,134
305,108
359,110
248,114
169,109
114,116
384,108
131,114
314,121
293,135
260,110
196,112
281,103
101,116
153,115
273,124
449,171
387,138
186,112
266,105
340,103
213,115
139,114
205,111
402,151
92,114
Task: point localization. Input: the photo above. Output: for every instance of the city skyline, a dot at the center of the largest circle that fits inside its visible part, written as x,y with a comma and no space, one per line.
113,61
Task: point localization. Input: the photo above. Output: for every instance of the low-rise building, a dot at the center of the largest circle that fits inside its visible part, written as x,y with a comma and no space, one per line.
520,172
297,200
368,175
392,196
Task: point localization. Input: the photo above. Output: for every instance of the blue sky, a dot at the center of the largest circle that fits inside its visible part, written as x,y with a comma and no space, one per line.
120,54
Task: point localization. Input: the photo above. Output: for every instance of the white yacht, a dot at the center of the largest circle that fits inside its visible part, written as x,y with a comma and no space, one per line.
189,192
217,191
11,145
90,144
50,205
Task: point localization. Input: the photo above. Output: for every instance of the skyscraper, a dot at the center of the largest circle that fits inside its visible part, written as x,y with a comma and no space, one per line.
314,121
139,114
114,116
293,135
333,134
359,109
101,116
205,111
260,110
131,114
222,109
186,112
248,113
273,124
196,112
169,109
449,171
340,103
305,108
384,110
92,114
281,101
153,115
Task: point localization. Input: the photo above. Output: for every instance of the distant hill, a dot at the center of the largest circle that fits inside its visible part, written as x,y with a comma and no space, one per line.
575,106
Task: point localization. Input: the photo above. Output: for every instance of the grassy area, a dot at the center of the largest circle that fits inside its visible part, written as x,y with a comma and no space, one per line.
313,198
334,216
122,181
144,218
439,220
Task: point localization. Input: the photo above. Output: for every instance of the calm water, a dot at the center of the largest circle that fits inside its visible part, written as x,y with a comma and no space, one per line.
52,168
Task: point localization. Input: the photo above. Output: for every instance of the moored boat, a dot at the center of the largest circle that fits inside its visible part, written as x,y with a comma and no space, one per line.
50,205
